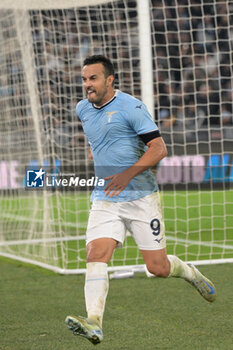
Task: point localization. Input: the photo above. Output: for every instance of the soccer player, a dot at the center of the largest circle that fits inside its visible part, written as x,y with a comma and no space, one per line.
125,143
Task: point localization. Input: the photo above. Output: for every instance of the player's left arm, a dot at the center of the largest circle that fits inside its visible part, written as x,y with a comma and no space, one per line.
156,151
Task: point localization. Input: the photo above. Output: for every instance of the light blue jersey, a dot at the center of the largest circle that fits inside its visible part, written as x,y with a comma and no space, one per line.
113,133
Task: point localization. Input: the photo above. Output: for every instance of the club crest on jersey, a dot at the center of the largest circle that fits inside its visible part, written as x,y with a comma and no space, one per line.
110,114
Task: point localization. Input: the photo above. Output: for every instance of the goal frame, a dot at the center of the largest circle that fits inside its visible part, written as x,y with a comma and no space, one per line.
146,93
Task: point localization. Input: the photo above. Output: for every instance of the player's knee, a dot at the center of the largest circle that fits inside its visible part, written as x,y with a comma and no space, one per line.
94,255
97,252
159,270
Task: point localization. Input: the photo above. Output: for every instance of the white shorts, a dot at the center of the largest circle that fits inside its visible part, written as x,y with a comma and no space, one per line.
141,217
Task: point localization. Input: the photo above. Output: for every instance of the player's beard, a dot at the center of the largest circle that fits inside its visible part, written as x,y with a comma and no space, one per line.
96,97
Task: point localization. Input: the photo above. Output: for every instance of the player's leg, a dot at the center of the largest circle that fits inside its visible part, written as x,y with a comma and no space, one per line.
148,230
99,253
105,232
161,265
156,262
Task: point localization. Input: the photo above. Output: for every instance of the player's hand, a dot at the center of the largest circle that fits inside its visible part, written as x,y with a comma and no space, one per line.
117,184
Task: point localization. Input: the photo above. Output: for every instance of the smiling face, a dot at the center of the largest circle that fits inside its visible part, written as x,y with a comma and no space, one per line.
98,87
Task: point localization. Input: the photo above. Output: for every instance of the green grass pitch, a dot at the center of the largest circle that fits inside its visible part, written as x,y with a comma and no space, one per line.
141,313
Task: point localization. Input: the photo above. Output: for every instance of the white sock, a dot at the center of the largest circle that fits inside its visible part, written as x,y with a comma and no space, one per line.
96,290
178,268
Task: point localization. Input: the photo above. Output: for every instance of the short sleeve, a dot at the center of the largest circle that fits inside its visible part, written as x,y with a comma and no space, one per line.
140,119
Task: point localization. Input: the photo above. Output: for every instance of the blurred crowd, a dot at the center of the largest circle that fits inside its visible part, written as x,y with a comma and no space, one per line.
192,61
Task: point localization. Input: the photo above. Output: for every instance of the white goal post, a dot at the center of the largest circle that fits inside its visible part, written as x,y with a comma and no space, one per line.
174,55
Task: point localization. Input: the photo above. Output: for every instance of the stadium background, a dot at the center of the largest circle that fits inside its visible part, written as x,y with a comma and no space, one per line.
192,74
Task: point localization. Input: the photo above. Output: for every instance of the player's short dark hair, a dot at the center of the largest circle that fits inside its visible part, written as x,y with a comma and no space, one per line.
108,66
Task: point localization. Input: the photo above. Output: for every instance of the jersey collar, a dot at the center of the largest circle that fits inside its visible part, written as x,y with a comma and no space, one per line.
105,104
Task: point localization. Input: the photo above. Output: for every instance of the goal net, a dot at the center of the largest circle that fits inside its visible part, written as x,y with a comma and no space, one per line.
174,55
